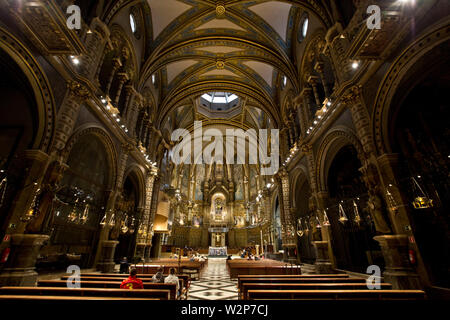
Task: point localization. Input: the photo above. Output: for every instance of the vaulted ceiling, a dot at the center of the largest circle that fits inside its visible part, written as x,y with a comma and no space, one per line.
243,47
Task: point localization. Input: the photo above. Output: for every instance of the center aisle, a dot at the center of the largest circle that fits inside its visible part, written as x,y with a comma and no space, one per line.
215,283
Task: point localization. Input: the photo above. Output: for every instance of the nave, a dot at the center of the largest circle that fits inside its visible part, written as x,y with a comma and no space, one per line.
256,149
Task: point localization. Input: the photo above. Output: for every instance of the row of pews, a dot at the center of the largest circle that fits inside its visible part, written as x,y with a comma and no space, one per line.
98,286
317,287
187,267
238,267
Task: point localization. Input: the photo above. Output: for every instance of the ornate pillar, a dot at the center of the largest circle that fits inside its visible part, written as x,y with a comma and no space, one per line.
126,104
337,44
123,77
361,119
325,260
143,239
319,67
95,46
20,267
313,81
68,114
132,115
303,110
106,247
289,238
31,164
116,65
399,271
398,210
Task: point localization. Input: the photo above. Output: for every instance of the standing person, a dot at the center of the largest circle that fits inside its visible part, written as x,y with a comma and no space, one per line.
132,282
172,278
158,277
124,265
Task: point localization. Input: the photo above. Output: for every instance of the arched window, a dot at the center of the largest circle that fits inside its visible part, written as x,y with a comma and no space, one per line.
303,27
133,23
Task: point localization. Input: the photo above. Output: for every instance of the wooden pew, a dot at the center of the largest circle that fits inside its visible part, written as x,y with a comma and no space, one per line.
110,284
184,280
67,298
332,275
298,280
158,294
305,286
237,270
187,269
336,295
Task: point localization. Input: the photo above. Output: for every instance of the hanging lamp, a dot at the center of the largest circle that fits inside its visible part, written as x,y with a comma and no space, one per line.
342,216
300,231
73,214
357,218
422,201
124,227
326,221
85,216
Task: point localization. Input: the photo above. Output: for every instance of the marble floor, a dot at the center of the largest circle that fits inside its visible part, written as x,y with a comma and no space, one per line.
214,283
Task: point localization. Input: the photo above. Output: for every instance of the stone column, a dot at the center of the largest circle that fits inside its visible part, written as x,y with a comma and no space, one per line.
337,44
140,243
123,77
289,238
399,271
319,67
106,264
322,264
303,110
32,164
132,116
68,114
399,216
321,199
143,240
105,244
326,262
361,119
128,100
95,44
116,65
20,267
313,81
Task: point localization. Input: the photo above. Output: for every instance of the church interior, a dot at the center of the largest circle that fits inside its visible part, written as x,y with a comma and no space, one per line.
100,96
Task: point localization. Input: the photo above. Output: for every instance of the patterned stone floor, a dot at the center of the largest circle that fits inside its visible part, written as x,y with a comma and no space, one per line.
214,283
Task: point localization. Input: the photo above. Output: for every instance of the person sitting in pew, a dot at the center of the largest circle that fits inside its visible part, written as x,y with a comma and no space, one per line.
132,282
172,278
158,277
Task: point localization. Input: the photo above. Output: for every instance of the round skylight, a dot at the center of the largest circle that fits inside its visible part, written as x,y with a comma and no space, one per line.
219,101
219,97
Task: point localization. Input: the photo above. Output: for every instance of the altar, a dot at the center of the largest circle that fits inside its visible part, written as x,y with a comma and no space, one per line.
217,251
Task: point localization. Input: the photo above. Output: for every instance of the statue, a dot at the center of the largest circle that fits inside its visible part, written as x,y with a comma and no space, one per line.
375,207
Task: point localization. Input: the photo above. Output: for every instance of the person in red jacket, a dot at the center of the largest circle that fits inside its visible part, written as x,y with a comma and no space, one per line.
132,282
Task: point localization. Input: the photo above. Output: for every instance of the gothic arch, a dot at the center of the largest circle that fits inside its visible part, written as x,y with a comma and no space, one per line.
336,139
99,132
398,73
138,172
298,176
40,85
